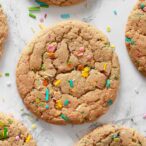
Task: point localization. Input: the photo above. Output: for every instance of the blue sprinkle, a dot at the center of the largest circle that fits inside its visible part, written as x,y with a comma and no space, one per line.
65,16
71,83
115,12
47,106
47,94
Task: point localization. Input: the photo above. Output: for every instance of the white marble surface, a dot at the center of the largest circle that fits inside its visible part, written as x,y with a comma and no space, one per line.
131,100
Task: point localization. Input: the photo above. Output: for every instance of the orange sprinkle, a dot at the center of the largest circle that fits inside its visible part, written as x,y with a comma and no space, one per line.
45,82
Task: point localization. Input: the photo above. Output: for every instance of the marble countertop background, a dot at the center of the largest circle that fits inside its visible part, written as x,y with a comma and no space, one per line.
131,101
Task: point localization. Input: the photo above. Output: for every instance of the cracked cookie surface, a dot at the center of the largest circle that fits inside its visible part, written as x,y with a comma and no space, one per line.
14,133
113,135
68,74
62,2
136,36
3,29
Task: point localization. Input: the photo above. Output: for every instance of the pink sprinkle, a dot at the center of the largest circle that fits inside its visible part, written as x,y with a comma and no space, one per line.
17,137
82,49
144,116
51,48
80,54
89,57
144,9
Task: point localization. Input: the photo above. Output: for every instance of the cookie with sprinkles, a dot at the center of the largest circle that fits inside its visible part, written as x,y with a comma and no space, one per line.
136,36
113,135
59,2
13,132
68,74
3,29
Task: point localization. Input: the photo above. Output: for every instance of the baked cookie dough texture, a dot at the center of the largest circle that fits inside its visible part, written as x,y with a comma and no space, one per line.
136,36
13,133
68,74
61,2
112,135
3,29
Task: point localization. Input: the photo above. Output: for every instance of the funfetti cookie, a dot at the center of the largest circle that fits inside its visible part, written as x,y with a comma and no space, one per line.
112,135
136,36
3,29
68,74
14,133
61,2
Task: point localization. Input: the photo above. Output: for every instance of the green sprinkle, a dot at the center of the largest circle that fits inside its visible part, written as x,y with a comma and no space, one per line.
34,8
115,136
130,41
47,94
110,102
66,102
42,4
5,132
108,83
7,74
71,83
142,6
64,117
32,15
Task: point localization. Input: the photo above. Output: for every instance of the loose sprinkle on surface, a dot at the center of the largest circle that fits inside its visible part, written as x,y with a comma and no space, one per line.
64,117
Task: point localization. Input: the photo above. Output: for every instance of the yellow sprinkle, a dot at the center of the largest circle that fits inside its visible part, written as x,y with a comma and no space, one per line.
28,138
86,69
57,82
116,139
58,104
108,29
42,26
1,74
113,46
85,74
33,126
105,66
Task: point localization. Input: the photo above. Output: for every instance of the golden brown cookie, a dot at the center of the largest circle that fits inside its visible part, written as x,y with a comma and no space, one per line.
14,133
112,135
61,2
3,29
68,74
136,36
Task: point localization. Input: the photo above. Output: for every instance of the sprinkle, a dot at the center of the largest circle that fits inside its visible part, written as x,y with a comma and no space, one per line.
108,83
144,117
115,12
108,29
41,20
28,138
45,82
47,107
65,16
42,26
71,83
105,66
57,82
58,104
17,137
79,54
116,138
89,57
34,8
42,4
66,102
110,102
5,132
32,15
113,46
130,41
80,67
85,74
86,69
64,117
7,74
82,49
51,55
142,5
144,9
47,95
51,48
33,126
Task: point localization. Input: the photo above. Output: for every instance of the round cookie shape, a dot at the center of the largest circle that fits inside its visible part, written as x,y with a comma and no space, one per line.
112,135
136,36
61,2
13,132
68,74
3,29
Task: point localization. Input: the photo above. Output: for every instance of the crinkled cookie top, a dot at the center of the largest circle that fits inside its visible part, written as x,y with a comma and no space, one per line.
112,135
68,74
13,133
136,36
3,29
